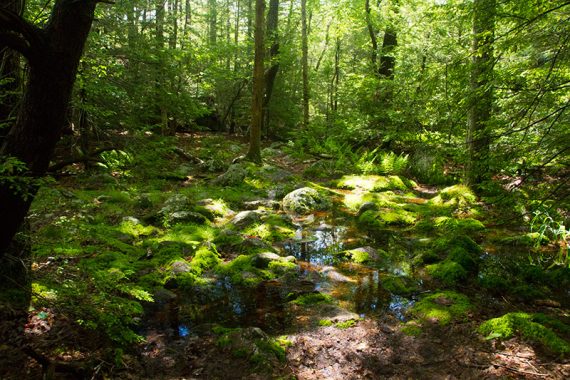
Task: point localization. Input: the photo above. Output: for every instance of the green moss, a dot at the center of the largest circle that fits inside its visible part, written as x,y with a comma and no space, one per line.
282,267
402,286
462,257
204,259
455,196
345,324
359,256
411,328
241,271
526,240
443,307
447,224
340,325
427,257
388,217
373,182
312,299
527,326
448,272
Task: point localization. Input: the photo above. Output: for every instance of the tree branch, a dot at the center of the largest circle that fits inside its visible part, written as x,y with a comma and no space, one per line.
19,34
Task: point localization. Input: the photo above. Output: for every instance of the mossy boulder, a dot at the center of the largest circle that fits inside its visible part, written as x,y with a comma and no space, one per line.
386,217
177,202
263,260
399,285
361,255
246,218
185,217
529,326
447,224
234,176
442,307
304,201
457,196
447,272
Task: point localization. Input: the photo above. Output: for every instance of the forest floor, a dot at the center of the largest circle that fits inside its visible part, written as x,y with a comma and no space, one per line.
375,277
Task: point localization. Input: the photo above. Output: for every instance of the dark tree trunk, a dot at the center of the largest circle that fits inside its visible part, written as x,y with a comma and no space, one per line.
478,131
271,73
9,76
254,152
387,60
305,63
372,33
53,55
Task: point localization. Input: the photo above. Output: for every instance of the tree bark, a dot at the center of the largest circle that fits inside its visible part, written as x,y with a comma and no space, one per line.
481,83
53,55
254,152
9,75
305,63
372,33
271,73
213,22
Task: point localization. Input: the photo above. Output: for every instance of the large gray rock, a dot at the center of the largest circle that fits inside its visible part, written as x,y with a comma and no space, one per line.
234,176
246,218
177,202
186,217
304,201
262,260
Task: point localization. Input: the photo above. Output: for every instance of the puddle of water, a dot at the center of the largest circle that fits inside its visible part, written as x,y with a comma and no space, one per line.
356,287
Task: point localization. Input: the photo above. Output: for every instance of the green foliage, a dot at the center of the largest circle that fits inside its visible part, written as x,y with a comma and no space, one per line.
548,227
374,182
14,175
375,162
529,326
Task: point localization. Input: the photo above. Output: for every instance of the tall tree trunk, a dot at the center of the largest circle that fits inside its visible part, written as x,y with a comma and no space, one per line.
53,55
372,32
387,60
305,63
481,83
254,152
9,75
271,74
213,22
173,37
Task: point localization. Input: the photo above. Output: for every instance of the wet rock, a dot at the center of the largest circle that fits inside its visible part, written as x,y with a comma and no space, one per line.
186,217
246,218
234,176
304,201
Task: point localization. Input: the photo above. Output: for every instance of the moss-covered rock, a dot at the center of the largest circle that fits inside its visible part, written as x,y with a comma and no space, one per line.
399,285
442,307
447,272
457,196
304,201
234,176
529,326
386,217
